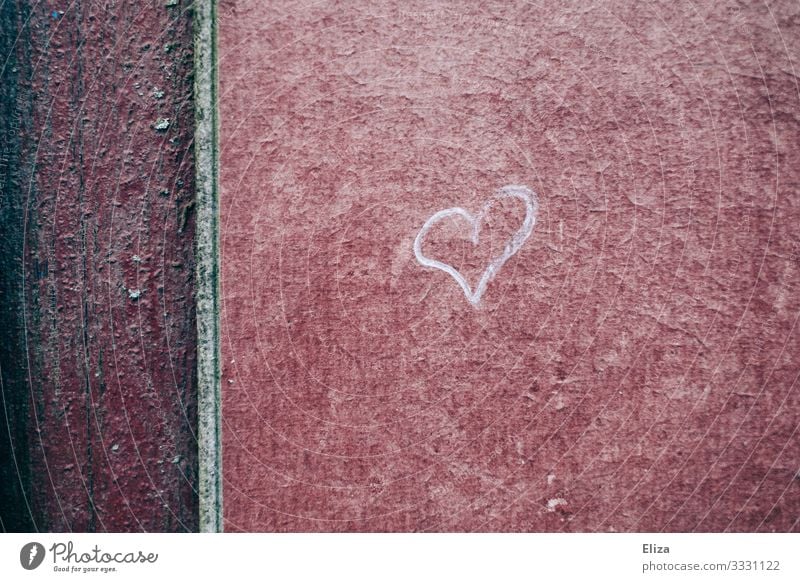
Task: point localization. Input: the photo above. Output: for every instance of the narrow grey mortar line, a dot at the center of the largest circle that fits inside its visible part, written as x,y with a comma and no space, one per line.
207,271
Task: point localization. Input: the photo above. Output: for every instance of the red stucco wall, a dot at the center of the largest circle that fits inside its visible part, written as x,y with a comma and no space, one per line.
632,367
106,353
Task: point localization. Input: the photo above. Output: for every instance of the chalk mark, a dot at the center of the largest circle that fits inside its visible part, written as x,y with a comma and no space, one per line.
526,195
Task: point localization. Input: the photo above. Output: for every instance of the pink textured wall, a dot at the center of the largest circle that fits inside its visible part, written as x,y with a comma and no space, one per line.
632,367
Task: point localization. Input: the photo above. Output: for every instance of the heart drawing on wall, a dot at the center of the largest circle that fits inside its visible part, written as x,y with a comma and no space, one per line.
523,193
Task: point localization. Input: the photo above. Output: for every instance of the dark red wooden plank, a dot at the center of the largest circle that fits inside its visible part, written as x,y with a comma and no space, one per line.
106,190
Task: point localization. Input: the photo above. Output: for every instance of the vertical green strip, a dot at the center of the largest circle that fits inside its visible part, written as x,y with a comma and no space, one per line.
208,274
16,507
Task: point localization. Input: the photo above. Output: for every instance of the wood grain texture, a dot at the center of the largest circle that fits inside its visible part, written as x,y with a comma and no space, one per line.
105,188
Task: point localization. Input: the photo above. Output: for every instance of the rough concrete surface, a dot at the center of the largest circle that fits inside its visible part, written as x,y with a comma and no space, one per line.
206,144
104,227
633,367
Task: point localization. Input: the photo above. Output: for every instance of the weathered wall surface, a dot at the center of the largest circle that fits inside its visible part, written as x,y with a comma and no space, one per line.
15,512
633,367
98,266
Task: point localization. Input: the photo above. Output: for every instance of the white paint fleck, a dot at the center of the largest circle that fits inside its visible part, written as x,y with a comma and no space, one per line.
161,124
553,503
522,193
115,448
135,293
550,478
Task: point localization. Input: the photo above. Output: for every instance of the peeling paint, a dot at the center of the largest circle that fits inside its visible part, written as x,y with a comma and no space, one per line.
114,382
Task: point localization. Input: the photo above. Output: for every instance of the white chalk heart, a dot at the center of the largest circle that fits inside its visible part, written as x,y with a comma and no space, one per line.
512,246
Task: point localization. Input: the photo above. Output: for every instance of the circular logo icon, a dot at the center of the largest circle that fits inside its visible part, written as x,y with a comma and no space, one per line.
31,555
